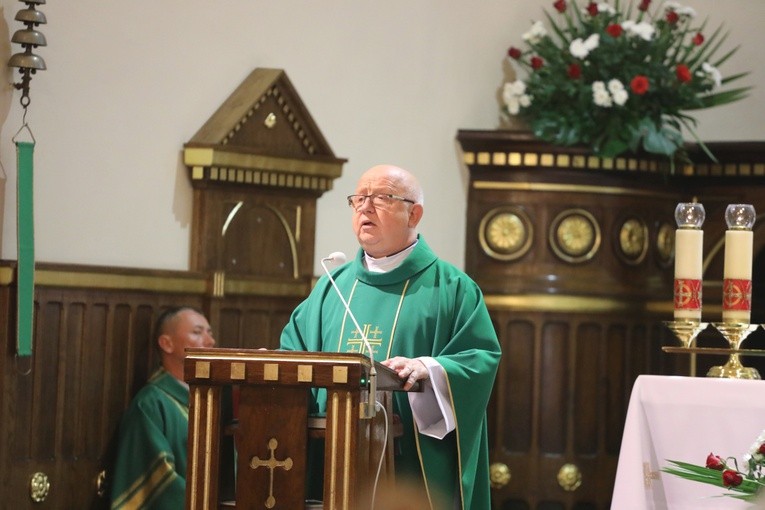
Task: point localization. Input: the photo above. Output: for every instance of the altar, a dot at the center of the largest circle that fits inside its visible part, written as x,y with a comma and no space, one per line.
684,418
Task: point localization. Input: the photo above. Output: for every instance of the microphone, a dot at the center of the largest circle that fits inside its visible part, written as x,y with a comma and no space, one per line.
368,409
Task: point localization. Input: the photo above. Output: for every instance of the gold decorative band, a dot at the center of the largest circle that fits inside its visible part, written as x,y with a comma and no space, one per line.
571,304
191,283
529,159
567,188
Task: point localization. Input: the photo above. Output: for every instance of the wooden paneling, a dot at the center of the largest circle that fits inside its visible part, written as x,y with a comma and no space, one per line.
576,332
92,352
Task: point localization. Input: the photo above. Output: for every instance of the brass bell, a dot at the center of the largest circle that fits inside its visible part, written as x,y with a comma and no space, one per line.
31,16
29,36
27,61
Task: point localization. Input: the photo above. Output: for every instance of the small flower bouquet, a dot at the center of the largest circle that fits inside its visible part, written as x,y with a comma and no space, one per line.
619,76
743,484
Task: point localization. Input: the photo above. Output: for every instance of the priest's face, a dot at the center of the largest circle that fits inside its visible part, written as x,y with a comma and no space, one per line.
385,222
187,329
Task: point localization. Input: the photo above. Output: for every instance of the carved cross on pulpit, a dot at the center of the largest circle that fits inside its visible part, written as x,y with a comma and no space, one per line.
648,475
271,463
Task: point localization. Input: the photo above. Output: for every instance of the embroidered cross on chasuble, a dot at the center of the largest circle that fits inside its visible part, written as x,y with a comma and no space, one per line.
378,317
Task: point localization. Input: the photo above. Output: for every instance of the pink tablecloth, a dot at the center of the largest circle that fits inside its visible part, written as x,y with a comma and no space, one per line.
684,418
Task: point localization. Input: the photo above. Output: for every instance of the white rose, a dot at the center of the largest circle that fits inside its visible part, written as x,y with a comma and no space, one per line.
620,96
535,33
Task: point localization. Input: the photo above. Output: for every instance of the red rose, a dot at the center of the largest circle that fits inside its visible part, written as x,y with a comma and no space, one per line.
639,84
644,5
731,478
514,53
560,5
761,449
574,71
672,17
614,30
698,39
592,9
715,462
537,62
683,73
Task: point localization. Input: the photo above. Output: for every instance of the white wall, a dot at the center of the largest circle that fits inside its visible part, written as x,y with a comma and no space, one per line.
129,82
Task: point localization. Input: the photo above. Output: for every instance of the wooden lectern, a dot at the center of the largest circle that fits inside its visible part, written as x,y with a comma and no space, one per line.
273,423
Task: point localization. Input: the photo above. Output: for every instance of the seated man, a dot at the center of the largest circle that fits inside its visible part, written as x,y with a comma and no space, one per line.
150,467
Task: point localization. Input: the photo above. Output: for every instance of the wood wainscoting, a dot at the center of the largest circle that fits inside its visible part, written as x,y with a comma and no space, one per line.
61,407
575,256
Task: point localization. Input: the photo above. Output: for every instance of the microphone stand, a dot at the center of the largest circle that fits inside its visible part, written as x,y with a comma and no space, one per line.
368,408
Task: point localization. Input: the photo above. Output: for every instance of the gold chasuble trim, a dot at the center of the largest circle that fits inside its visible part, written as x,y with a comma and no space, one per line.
456,431
395,321
459,452
341,339
422,464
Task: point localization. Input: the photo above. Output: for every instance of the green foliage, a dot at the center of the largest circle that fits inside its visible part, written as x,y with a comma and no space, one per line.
747,491
651,64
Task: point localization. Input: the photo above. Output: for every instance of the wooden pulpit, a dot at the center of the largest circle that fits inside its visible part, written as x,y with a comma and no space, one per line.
271,434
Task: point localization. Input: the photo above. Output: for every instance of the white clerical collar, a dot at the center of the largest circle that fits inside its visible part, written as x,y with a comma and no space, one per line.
385,264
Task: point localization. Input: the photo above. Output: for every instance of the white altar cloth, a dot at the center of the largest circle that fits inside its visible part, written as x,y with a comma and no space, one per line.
684,418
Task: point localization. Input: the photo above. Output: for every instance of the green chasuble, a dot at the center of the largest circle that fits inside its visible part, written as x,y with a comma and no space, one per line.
424,307
150,466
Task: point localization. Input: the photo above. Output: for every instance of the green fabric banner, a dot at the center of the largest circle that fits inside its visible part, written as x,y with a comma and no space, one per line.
25,234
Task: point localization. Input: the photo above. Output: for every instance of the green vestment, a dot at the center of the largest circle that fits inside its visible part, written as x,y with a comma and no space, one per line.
424,307
150,466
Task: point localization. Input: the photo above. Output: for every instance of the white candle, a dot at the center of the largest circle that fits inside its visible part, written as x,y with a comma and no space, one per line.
737,268
689,258
737,276
689,249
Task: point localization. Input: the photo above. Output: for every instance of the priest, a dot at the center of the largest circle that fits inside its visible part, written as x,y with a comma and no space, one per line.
150,465
427,320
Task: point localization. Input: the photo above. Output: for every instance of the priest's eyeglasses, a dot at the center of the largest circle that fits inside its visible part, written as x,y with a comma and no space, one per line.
382,200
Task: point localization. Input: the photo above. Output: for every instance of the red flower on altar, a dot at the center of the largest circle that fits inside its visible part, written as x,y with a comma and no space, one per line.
639,84
560,5
614,30
592,9
732,478
715,462
698,39
672,17
574,71
742,480
683,73
644,4
514,53
536,62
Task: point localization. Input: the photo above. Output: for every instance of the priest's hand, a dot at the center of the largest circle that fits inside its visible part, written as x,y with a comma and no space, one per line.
408,369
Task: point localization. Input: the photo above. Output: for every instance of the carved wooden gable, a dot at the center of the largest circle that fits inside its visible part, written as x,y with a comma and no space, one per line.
257,167
263,135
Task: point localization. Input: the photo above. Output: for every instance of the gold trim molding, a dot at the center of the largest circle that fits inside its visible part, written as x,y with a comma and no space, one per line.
191,283
572,304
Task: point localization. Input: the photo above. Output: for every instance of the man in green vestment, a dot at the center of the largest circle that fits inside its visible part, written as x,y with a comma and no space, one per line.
428,321
150,466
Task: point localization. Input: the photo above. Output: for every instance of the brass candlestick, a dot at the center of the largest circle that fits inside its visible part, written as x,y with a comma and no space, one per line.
734,333
686,330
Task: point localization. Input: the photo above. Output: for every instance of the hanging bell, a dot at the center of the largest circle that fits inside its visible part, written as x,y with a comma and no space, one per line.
29,36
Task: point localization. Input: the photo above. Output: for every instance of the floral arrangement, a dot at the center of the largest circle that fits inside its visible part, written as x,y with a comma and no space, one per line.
619,77
743,483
